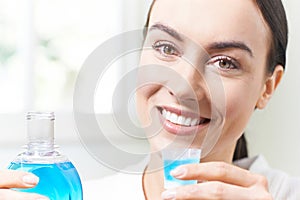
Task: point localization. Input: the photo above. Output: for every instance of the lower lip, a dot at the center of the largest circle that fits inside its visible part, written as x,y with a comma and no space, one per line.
177,129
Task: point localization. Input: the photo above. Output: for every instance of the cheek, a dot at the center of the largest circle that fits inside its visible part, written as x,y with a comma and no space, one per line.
242,94
143,102
241,100
240,104
238,108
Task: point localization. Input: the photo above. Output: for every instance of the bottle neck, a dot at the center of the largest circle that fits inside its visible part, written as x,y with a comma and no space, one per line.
41,152
40,146
40,130
40,135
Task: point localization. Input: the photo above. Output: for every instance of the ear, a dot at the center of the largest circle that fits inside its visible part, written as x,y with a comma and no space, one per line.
270,86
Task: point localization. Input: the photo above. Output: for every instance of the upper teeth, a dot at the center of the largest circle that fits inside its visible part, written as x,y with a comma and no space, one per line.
181,120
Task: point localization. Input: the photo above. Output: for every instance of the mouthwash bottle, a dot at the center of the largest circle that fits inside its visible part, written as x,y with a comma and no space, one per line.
59,179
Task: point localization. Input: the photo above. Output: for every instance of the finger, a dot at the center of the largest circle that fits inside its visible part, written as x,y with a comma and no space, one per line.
208,190
17,179
6,194
216,171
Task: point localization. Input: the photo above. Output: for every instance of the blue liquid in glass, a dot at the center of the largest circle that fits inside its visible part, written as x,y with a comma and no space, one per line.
169,165
58,181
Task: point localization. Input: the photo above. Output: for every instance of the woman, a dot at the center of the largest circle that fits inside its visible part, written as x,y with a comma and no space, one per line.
242,45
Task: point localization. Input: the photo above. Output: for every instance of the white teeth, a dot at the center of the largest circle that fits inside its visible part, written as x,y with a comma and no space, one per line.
194,122
164,113
188,121
168,115
181,120
173,118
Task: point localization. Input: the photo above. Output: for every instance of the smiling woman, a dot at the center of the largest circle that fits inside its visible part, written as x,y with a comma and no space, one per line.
246,47
237,53
213,68
231,52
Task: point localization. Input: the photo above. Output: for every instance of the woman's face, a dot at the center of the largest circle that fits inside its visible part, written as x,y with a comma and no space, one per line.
219,48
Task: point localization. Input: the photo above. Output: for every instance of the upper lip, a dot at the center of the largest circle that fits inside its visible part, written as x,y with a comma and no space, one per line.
182,112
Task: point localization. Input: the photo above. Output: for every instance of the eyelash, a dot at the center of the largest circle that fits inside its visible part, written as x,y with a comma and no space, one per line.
160,47
233,64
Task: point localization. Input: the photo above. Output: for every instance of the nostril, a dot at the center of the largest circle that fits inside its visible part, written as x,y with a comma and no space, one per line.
171,93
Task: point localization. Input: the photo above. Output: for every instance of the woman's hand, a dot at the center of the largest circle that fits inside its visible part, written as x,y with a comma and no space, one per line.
218,180
17,179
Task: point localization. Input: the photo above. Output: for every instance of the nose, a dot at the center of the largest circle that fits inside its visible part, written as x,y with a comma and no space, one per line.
191,85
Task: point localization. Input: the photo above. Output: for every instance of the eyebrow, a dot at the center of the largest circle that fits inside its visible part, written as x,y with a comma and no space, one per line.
214,46
172,32
230,45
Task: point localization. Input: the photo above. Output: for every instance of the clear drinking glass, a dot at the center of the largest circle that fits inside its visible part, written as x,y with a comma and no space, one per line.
174,157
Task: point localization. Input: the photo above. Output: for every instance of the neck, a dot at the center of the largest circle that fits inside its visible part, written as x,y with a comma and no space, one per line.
224,155
153,178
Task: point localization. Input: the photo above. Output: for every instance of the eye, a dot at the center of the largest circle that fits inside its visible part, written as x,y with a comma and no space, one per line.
166,48
224,63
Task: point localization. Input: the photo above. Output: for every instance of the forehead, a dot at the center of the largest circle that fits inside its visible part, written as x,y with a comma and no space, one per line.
204,21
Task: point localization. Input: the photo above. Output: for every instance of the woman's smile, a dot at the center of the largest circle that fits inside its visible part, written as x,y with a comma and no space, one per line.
181,122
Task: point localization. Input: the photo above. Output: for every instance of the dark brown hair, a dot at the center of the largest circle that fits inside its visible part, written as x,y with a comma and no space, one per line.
274,15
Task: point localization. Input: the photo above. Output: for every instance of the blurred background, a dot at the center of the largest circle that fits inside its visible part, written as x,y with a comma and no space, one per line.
43,45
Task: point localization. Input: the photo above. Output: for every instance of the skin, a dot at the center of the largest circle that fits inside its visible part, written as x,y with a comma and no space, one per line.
18,179
246,86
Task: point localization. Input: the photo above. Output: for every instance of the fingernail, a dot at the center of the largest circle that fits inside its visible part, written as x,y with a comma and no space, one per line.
30,179
178,172
169,195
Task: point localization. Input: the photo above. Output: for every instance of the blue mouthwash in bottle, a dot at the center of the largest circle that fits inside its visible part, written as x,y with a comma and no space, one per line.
59,179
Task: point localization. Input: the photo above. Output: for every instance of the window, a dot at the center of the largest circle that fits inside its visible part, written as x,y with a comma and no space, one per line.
44,43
